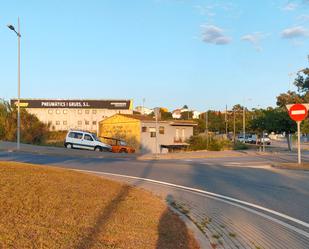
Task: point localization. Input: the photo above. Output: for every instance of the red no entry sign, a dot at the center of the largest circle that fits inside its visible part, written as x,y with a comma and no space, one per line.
298,112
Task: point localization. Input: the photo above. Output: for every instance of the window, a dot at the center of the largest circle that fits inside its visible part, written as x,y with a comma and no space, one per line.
50,111
183,134
65,111
76,135
86,122
80,111
161,130
144,129
58,111
79,122
65,122
71,134
57,122
94,122
152,132
88,137
94,111
86,111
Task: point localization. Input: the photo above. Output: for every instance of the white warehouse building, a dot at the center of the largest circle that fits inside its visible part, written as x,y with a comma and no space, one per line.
81,114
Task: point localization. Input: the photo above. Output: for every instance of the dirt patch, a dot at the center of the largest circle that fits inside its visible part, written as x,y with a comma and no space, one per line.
293,166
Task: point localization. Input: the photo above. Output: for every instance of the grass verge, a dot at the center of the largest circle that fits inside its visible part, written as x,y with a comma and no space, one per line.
46,207
294,166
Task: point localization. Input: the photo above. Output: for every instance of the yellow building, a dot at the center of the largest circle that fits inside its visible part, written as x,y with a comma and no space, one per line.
144,134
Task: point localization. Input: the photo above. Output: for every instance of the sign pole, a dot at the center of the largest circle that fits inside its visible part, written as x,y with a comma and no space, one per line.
298,142
298,112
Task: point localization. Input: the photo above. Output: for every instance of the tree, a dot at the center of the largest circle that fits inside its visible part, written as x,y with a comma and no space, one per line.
165,115
185,107
32,130
186,115
274,120
302,81
288,98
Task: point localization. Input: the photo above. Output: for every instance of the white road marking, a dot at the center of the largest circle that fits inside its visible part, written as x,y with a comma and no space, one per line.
226,199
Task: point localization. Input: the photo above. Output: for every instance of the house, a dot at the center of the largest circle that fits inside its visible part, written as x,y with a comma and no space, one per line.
145,135
176,114
143,110
196,114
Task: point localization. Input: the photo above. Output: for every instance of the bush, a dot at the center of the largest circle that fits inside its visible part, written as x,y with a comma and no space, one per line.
240,146
214,144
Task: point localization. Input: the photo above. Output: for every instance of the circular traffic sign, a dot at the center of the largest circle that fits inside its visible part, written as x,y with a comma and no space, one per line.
298,112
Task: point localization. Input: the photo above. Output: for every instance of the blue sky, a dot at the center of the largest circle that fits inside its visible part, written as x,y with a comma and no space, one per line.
205,54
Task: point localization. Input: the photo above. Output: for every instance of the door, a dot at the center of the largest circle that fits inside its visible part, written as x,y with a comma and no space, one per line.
88,142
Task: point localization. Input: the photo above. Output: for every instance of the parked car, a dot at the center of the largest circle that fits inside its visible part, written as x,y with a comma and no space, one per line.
265,140
85,140
118,145
249,138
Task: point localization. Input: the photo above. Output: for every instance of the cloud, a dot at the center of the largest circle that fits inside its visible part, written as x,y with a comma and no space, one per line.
290,7
303,18
254,39
215,35
294,32
205,10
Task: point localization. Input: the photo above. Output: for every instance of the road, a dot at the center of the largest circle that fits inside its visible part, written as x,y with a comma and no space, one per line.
285,191
248,179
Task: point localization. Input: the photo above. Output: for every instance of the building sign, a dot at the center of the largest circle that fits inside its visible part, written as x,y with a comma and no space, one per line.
93,104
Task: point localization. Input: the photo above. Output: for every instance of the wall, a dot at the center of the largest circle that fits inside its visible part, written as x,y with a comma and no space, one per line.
122,127
74,118
148,144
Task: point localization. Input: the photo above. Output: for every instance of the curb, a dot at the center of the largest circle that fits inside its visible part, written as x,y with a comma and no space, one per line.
197,233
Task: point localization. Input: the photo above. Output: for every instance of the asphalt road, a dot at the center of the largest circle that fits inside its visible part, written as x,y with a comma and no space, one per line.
245,178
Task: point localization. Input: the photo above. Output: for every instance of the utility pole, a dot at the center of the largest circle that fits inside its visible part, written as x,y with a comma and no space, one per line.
244,123
226,128
143,111
157,133
206,127
234,126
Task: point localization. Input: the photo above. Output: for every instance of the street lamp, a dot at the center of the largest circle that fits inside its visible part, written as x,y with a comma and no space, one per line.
11,27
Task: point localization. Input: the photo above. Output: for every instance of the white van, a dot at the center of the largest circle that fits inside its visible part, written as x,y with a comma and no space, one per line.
84,140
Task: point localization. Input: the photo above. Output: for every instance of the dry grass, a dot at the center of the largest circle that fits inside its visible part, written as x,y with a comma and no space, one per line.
294,166
44,207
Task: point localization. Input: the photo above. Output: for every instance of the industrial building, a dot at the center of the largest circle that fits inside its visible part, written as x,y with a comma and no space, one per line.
80,114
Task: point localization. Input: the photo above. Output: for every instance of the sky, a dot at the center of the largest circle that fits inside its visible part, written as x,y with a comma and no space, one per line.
202,53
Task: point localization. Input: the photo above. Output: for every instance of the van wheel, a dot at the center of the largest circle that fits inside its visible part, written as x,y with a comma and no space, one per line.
69,146
97,149
123,151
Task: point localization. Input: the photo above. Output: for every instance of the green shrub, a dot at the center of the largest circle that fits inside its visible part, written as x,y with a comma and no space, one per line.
199,142
215,145
240,146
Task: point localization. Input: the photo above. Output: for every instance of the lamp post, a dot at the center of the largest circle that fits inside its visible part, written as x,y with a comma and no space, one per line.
11,27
